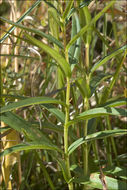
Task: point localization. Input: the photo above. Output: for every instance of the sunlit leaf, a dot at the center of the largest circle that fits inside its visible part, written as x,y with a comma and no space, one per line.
95,136
98,112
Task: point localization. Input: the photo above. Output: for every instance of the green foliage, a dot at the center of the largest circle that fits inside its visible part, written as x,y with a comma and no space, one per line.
68,97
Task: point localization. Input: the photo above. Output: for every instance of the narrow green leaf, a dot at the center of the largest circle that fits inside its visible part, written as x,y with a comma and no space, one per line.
95,136
29,146
13,96
67,10
20,20
20,56
19,124
115,103
98,112
40,33
78,42
84,29
53,53
106,58
29,102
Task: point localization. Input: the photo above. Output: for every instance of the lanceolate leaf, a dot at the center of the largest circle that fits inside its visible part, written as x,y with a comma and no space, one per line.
106,58
115,103
53,53
19,124
20,19
19,56
30,146
40,33
97,112
95,136
29,102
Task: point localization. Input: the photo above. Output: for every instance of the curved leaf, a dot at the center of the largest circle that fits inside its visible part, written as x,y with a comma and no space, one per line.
97,112
20,20
115,103
30,146
29,102
19,56
19,124
106,58
40,33
53,53
95,136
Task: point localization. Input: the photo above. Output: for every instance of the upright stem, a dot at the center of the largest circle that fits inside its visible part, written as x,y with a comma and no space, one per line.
86,107
70,185
85,146
67,162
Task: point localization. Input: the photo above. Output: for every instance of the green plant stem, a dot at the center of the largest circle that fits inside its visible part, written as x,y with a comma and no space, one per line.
86,99
70,185
67,162
85,156
85,145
